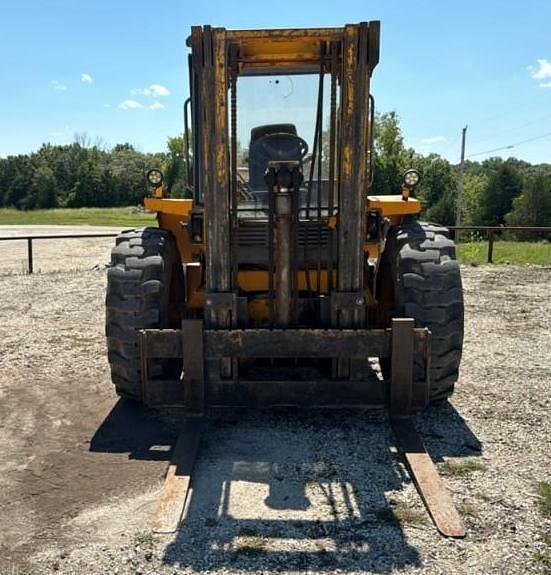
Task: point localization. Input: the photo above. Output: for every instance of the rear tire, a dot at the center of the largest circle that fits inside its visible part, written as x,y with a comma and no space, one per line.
145,285
419,277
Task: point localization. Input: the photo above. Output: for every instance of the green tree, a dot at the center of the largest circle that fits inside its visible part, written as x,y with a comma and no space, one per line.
474,185
44,187
87,188
19,176
389,154
533,206
173,167
177,180
496,199
437,189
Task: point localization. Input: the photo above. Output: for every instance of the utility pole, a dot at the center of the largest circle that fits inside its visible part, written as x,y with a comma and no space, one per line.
459,202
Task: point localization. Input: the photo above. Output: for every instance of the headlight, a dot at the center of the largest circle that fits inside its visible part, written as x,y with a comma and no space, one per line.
155,177
411,178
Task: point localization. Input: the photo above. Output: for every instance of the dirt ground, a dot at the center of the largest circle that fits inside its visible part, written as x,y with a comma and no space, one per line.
286,492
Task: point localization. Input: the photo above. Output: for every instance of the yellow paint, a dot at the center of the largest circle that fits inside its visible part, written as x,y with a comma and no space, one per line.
195,296
171,213
254,280
393,205
169,205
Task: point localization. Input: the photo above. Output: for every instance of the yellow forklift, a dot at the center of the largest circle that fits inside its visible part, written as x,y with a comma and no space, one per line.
282,282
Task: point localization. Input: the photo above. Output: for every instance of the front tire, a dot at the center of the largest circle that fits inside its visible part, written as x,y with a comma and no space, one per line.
145,284
419,277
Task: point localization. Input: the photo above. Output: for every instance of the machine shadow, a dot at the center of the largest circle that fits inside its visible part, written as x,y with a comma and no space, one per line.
145,434
300,491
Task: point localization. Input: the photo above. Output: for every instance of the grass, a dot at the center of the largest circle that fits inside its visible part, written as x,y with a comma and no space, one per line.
544,493
462,467
505,252
250,545
467,510
543,559
401,514
542,556
118,217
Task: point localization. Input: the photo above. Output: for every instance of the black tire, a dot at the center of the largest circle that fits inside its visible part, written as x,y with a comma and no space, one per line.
145,285
419,277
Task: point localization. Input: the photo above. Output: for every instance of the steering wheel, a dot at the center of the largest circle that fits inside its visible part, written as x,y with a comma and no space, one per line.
266,149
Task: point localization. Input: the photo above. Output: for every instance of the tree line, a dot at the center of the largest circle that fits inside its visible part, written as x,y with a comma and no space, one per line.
496,191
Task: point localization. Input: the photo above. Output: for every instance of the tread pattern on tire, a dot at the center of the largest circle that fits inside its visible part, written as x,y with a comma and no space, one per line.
138,285
427,286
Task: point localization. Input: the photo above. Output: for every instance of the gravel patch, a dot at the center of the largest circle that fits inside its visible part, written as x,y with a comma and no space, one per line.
55,255
285,492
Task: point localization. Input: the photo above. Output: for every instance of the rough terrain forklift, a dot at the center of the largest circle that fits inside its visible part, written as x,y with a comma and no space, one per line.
282,282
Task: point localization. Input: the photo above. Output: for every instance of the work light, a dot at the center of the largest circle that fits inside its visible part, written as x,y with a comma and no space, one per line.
155,177
411,178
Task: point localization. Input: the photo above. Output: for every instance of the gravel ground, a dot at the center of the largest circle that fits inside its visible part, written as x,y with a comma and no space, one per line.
279,492
55,255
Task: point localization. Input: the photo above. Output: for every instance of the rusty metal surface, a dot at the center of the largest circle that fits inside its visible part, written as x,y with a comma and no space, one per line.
433,492
193,355
298,343
202,350
174,492
166,343
401,387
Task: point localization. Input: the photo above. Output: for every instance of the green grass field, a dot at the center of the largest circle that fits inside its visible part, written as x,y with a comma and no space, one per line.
123,217
506,252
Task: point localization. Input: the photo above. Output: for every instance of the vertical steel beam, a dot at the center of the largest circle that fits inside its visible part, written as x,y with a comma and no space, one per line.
215,186
196,89
215,168
283,247
353,165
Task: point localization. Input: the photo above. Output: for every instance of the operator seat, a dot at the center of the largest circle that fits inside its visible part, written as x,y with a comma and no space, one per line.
284,146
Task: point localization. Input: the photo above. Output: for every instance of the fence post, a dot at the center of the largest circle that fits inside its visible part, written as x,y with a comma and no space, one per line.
30,254
490,246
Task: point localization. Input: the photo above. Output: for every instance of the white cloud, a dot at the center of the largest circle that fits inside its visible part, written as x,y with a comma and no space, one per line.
155,90
158,90
58,86
86,78
156,105
433,140
130,105
542,72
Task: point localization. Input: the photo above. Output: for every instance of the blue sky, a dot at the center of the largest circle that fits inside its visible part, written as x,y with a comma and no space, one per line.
117,69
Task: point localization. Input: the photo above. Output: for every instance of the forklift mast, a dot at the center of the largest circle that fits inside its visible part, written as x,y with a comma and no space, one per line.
218,58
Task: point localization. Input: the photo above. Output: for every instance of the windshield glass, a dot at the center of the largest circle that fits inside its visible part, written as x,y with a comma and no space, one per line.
276,121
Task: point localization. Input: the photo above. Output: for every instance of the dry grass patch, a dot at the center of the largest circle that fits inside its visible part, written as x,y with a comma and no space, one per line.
544,493
248,542
467,510
250,545
401,514
462,467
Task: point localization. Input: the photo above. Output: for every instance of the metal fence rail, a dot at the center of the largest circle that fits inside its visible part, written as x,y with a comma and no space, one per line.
29,240
490,231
